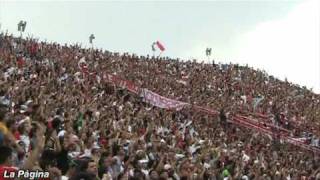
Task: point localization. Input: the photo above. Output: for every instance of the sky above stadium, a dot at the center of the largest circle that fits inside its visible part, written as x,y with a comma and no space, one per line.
281,37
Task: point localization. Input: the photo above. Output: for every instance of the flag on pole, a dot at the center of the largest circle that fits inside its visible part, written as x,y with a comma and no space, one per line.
160,46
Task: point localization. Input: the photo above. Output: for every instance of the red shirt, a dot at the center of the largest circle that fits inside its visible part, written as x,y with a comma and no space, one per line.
20,62
17,135
34,48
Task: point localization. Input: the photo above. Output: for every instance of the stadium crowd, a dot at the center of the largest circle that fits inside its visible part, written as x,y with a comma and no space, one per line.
61,117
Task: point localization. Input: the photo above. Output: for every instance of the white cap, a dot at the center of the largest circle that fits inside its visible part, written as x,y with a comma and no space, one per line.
167,166
96,146
64,178
77,74
142,161
28,102
245,177
178,156
61,133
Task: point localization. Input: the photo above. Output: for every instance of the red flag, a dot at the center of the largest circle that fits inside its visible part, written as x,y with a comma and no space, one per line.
160,46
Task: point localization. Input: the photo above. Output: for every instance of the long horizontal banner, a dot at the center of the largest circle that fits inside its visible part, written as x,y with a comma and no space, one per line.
163,102
121,83
206,110
265,130
258,123
160,101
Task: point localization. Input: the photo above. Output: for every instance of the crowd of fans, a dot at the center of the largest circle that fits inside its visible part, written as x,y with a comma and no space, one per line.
56,117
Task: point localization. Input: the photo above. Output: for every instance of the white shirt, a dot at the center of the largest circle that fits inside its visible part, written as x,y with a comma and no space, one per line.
26,140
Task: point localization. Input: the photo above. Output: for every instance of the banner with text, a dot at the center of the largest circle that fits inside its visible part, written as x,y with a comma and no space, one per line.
160,101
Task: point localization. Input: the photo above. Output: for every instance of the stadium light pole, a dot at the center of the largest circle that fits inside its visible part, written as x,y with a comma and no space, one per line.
208,53
91,38
22,27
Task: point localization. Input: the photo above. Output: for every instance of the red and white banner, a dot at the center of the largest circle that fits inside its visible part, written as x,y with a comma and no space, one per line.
266,130
160,101
206,110
121,83
302,145
241,120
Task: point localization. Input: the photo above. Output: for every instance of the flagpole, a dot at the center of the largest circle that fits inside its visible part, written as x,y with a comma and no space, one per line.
160,54
153,49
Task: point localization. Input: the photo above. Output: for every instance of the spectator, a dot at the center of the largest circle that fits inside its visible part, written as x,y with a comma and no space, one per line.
86,127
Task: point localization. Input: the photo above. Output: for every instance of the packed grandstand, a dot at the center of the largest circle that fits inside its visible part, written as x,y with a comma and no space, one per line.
92,114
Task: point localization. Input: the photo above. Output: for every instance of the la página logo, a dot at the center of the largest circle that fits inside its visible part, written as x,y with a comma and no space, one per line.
25,174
